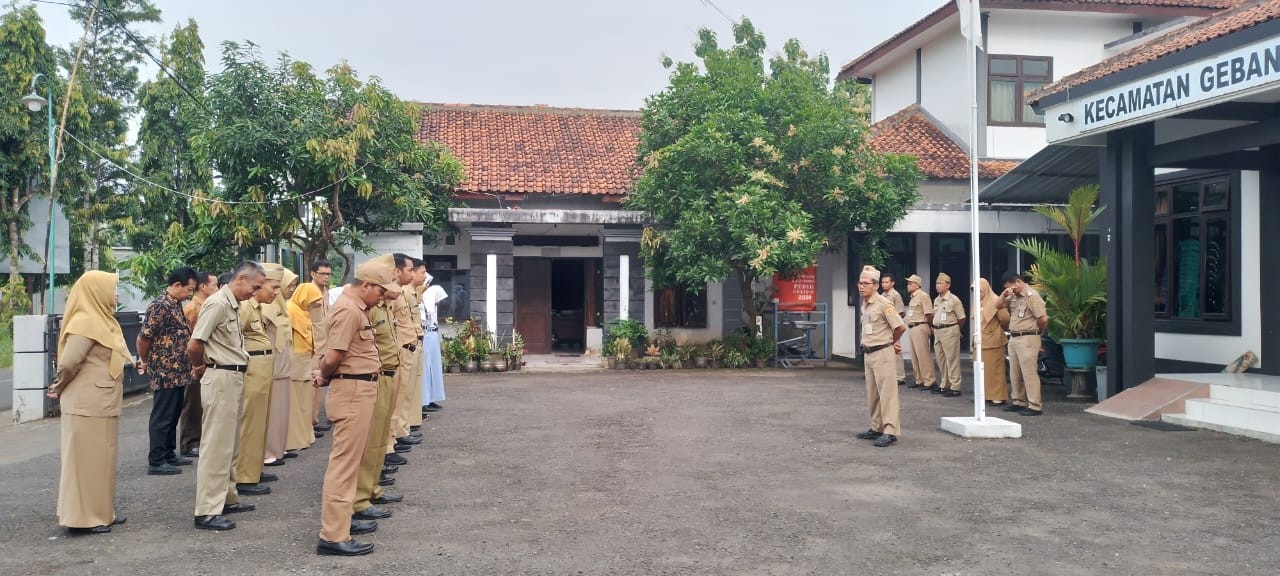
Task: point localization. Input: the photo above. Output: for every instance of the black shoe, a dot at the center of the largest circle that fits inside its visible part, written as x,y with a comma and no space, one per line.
237,508
119,520
388,497
214,523
995,403
415,428
915,385
372,513
192,453
928,388
253,489
276,462
268,477
402,448
180,461
359,527
937,390
416,434
395,460
348,548
323,426
902,382
433,407
868,435
165,469
1028,411
290,454
952,394
390,468
317,433
1012,407
85,531
410,440
386,480
884,440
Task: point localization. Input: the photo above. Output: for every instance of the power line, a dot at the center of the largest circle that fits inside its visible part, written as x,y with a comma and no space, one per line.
717,9
146,50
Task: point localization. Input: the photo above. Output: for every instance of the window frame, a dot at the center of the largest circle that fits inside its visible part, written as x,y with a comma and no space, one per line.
1019,91
1228,323
682,294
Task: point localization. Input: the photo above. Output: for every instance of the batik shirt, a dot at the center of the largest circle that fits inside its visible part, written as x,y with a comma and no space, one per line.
167,329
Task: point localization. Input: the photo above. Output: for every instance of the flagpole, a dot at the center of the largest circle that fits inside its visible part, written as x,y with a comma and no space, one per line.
975,302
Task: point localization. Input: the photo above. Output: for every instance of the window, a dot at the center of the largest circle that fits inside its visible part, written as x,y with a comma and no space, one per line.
678,307
1194,272
1011,79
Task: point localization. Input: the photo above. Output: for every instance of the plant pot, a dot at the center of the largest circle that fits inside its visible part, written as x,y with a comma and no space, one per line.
701,362
1080,354
501,366
761,363
489,366
453,368
471,366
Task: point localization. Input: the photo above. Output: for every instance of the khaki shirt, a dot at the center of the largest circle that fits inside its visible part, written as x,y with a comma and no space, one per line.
192,310
415,308
384,336
351,332
1024,311
919,309
947,310
879,320
894,297
219,328
253,326
406,321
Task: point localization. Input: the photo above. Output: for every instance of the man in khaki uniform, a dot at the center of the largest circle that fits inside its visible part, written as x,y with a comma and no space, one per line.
889,291
1027,319
919,317
948,324
882,327
350,367
368,491
216,351
408,403
189,441
321,272
257,388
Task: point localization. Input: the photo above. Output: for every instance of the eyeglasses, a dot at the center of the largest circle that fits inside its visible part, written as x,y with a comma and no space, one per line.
860,283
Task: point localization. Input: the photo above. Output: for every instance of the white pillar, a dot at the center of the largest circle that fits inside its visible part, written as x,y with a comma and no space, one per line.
30,368
491,292
624,286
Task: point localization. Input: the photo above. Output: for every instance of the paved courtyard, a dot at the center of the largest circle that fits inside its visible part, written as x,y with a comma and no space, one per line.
683,472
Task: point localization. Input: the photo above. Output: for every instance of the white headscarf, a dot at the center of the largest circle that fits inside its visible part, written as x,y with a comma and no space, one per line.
433,295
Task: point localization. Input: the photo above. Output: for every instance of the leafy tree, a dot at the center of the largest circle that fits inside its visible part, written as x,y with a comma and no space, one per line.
322,160
753,167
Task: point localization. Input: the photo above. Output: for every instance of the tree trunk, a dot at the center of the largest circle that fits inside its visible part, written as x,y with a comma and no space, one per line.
749,311
15,234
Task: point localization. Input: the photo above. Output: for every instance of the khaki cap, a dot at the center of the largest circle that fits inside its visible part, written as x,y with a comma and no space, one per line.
274,271
944,277
380,271
870,272
916,279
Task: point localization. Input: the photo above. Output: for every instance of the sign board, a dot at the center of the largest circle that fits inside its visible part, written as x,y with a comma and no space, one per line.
798,293
35,237
1192,85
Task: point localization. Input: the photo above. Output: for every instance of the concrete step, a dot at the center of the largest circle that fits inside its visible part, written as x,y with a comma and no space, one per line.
1252,396
1233,417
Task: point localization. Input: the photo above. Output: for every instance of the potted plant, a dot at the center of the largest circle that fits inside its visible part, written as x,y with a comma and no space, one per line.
762,351
715,353
480,354
454,352
468,360
515,351
1074,289
651,359
701,356
734,358
621,352
633,331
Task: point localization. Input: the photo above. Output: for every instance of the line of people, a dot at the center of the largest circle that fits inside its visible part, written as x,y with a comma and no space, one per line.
1012,321
245,365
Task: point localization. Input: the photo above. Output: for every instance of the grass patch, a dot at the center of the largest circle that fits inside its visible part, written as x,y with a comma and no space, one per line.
6,349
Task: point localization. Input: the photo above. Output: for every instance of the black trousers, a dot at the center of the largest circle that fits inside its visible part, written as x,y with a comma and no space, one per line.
166,407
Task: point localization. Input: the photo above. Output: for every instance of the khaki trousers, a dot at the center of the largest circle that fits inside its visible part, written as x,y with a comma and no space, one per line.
350,406
189,426
376,448
221,393
253,421
278,419
301,399
882,390
87,485
405,407
415,401
921,356
946,345
994,384
317,395
1024,352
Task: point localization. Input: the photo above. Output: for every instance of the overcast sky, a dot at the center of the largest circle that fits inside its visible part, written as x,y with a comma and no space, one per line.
580,53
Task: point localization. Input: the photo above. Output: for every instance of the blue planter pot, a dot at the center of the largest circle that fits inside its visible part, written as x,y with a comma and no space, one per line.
1080,354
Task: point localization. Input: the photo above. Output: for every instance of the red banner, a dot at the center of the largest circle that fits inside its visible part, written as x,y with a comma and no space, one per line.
798,293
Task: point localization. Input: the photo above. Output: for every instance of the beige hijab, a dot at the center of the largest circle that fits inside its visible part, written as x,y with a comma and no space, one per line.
988,301
91,313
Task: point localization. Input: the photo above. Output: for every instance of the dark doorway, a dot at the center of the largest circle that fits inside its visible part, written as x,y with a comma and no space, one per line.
568,305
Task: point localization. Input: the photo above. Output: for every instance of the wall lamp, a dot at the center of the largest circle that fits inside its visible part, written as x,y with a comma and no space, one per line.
1066,117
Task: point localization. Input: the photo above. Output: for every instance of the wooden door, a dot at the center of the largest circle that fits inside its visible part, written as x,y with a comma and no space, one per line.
533,303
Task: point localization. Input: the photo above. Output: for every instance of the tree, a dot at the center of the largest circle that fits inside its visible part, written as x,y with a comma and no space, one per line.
24,150
753,168
319,160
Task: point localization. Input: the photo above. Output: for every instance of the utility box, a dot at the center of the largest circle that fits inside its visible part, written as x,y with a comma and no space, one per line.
31,368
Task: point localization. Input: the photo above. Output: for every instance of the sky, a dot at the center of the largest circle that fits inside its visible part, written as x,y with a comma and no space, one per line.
571,53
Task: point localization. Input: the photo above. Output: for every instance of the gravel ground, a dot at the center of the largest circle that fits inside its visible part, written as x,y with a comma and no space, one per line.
681,472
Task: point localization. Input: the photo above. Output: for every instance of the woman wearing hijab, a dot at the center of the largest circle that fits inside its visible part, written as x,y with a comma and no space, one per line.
301,393
92,354
993,322
281,390
432,370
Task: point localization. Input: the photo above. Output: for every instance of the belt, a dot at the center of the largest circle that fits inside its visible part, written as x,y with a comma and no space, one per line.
228,367
389,373
363,377
944,327
918,324
410,347
1030,333
870,349
260,353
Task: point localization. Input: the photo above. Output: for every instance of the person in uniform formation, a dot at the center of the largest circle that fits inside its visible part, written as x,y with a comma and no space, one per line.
189,426
882,327
889,291
1027,320
432,368
257,386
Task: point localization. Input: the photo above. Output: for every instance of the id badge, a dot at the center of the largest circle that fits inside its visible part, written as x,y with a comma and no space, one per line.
942,317
1022,313
911,313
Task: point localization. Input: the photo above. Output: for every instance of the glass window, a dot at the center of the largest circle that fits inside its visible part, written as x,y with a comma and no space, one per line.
1162,269
1193,246
678,307
1004,66
1186,198
1010,80
1216,194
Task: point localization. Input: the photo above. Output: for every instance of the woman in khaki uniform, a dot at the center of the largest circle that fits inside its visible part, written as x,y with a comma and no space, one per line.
993,323
91,357
301,391
277,313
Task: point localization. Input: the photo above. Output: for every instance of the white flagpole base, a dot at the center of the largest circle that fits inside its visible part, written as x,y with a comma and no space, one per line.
970,427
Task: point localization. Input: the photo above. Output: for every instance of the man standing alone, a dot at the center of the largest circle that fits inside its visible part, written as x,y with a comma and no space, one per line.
948,323
1027,319
162,350
881,329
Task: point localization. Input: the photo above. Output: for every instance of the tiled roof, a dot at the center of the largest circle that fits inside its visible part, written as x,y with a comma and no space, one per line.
537,149
913,132
1247,14
1169,7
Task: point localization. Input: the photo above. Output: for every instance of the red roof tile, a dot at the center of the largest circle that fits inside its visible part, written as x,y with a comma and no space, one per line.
537,149
1163,7
913,132
1247,14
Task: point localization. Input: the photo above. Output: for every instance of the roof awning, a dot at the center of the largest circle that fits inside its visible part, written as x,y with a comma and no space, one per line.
1048,177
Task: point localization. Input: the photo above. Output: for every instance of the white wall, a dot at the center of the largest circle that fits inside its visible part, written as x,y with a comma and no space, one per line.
833,269
894,88
957,221
1223,349
943,83
715,316
409,243
461,249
